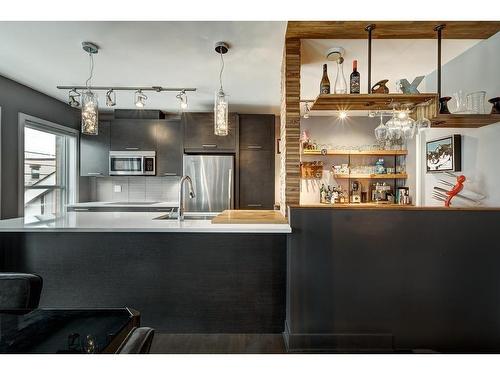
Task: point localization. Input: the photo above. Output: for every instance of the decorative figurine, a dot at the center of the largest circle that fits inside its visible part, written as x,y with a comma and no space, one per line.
407,88
496,105
443,105
380,87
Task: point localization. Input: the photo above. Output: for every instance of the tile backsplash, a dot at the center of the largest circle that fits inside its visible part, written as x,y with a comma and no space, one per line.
134,189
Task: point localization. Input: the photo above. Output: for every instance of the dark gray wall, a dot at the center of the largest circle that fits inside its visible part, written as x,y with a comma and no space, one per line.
16,98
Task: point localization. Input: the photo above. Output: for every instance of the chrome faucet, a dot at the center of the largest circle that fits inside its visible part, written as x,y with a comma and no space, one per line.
180,212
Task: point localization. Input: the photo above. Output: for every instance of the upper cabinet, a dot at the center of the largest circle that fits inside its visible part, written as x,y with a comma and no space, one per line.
133,135
199,134
169,148
94,152
257,132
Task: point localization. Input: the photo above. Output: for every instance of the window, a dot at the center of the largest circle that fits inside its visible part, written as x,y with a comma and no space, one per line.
50,167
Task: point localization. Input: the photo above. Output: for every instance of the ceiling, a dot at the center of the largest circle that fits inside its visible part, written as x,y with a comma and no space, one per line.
391,59
43,55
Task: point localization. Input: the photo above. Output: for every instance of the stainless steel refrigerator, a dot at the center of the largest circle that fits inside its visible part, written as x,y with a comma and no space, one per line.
213,182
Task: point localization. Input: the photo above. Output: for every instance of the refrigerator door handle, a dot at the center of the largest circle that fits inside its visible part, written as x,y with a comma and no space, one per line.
230,188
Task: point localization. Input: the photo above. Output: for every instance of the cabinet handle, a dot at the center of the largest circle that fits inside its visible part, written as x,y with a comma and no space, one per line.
254,147
170,174
209,146
80,209
131,148
254,205
94,173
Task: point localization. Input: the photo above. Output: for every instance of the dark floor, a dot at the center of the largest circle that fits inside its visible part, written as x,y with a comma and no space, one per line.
166,343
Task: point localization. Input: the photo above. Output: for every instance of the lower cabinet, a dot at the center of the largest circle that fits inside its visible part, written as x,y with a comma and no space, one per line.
256,180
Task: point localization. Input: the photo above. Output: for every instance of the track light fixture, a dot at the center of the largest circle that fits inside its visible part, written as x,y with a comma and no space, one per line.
140,99
110,98
183,100
73,102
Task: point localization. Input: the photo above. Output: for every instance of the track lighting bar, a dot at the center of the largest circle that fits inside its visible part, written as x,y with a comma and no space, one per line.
126,88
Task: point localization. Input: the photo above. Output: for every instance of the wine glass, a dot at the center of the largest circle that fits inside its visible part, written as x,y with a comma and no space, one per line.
381,132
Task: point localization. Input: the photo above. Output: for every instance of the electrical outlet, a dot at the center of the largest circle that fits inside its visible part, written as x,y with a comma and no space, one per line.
117,188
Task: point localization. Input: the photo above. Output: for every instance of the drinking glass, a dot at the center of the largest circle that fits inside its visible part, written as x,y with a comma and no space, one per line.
475,102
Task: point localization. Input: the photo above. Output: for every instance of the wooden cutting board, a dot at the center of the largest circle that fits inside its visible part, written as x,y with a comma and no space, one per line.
250,217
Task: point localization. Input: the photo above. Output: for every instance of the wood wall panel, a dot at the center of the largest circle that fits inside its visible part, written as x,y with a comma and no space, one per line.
290,125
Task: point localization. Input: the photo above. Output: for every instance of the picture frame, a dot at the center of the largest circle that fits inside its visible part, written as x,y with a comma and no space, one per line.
444,154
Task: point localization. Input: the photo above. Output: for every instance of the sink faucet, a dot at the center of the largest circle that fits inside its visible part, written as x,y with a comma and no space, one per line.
180,216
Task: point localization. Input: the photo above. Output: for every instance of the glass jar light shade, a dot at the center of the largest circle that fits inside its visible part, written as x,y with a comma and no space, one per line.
221,120
90,114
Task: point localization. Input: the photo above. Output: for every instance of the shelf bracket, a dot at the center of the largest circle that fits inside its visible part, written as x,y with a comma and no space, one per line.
438,29
369,29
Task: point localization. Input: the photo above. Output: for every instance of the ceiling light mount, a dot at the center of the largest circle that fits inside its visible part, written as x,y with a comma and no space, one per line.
221,47
90,47
335,53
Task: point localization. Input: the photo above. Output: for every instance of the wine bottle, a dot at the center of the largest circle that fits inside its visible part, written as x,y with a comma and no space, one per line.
324,87
354,81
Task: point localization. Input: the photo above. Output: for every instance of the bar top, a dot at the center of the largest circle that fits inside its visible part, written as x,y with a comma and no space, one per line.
375,206
133,222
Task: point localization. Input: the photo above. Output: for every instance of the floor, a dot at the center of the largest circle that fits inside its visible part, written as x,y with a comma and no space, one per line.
164,343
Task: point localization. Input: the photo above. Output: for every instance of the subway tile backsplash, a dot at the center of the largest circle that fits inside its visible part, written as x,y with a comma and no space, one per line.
134,189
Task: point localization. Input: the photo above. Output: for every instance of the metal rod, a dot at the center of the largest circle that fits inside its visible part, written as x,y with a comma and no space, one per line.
439,29
128,88
370,28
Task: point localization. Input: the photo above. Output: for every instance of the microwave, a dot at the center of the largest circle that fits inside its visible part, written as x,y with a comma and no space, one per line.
132,163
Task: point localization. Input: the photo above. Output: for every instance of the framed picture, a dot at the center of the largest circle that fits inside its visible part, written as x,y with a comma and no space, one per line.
444,154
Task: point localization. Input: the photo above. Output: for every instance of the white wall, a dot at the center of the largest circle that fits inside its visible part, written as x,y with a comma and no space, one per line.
476,69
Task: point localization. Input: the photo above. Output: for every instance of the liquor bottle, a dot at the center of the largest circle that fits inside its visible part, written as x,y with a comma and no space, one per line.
324,87
354,80
322,194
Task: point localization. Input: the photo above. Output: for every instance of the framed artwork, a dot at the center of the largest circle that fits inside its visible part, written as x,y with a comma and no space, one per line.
444,154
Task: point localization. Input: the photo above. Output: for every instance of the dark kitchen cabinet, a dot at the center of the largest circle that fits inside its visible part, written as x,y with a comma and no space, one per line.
94,152
199,134
257,132
133,135
169,148
256,180
256,161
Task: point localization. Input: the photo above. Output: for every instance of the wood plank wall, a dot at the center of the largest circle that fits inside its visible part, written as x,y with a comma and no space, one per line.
290,125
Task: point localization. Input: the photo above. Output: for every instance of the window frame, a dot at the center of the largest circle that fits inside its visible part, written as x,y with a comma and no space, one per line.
51,127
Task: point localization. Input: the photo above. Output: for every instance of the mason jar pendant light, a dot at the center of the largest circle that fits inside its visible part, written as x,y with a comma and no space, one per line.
90,110
221,105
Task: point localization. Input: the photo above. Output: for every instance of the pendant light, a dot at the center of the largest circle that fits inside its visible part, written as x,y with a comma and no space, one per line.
90,113
221,105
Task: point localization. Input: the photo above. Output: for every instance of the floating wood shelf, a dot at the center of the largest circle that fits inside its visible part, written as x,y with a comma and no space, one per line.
385,176
356,152
463,121
365,102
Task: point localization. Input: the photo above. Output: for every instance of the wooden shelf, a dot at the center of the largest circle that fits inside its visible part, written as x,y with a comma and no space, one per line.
463,121
365,102
356,152
385,176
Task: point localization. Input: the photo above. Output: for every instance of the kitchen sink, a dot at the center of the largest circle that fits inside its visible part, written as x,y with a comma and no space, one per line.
132,203
187,216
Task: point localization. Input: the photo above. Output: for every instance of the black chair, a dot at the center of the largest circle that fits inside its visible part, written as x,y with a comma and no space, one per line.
138,341
19,291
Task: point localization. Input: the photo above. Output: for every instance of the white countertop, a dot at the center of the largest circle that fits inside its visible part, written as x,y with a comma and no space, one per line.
131,222
124,204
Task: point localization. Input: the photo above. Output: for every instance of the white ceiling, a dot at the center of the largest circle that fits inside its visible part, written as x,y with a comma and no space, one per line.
43,55
391,59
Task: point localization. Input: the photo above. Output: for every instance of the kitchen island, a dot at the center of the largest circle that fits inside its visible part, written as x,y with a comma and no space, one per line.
183,277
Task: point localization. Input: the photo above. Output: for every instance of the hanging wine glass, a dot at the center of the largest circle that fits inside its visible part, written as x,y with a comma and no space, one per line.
381,132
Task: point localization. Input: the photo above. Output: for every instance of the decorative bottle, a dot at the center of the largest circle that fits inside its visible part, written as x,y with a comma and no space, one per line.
354,79
324,87
340,82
